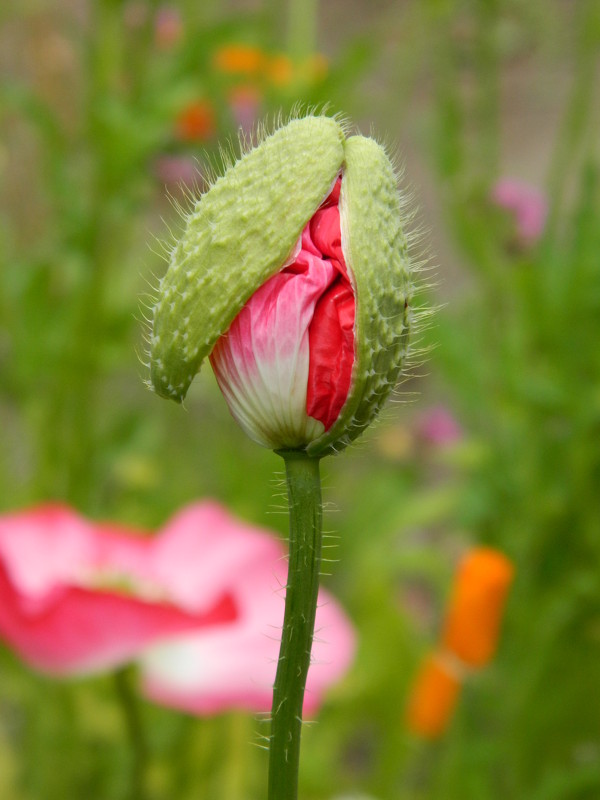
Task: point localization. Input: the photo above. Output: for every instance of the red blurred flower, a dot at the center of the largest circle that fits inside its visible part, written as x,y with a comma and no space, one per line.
285,364
195,122
79,597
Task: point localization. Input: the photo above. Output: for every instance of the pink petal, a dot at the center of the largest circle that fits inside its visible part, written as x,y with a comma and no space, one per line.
261,364
285,365
234,667
438,427
528,205
204,551
57,606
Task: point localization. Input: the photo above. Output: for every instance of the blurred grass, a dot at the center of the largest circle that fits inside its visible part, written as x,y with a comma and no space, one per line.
471,89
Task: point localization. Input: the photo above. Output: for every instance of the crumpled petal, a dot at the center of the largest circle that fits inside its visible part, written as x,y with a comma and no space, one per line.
285,364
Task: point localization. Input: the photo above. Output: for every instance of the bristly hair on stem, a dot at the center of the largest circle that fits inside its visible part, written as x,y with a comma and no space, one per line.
305,510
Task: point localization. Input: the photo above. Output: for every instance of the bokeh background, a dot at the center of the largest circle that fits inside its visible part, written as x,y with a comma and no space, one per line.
108,108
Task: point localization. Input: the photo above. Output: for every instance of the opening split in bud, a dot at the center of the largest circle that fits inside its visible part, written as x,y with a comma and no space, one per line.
285,364
306,349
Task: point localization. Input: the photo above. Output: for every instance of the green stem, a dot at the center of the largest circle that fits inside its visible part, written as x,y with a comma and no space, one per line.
304,495
135,733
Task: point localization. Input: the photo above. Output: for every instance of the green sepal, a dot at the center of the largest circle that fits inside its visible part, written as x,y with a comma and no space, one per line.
238,235
376,252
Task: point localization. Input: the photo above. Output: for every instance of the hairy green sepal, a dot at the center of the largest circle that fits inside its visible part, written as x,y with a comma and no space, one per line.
376,253
238,235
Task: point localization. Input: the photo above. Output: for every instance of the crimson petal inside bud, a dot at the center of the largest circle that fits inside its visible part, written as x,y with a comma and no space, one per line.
285,365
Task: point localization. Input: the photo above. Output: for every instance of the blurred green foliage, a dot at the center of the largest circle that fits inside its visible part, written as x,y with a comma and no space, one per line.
93,99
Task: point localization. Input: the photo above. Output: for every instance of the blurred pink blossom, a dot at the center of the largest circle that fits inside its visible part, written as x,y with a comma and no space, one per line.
175,169
234,665
437,426
80,597
168,27
527,204
245,103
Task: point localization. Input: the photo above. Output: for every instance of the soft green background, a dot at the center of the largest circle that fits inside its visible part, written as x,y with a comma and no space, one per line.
470,91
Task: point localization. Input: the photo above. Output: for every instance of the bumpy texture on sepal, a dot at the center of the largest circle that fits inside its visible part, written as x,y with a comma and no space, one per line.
238,235
376,252
246,227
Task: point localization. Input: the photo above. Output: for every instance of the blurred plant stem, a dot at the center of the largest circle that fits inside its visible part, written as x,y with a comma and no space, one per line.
581,113
235,768
305,510
134,727
302,28
92,230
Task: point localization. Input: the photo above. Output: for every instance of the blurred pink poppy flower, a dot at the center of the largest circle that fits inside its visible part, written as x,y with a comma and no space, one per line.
528,205
438,427
234,665
79,597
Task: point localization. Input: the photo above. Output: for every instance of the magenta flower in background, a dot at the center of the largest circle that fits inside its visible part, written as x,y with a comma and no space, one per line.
175,169
80,597
245,103
438,427
234,665
528,205
168,27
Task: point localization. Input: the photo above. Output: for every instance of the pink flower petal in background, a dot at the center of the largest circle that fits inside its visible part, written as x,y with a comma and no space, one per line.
528,205
77,597
201,603
234,666
175,169
438,427
245,103
168,27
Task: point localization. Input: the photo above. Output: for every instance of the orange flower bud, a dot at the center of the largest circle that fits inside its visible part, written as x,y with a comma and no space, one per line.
476,605
433,697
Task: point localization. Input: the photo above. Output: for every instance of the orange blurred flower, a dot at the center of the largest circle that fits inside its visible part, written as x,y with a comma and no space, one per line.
239,59
433,698
477,603
279,70
195,122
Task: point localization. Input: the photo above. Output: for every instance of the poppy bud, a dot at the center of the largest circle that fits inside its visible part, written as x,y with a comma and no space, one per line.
293,275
